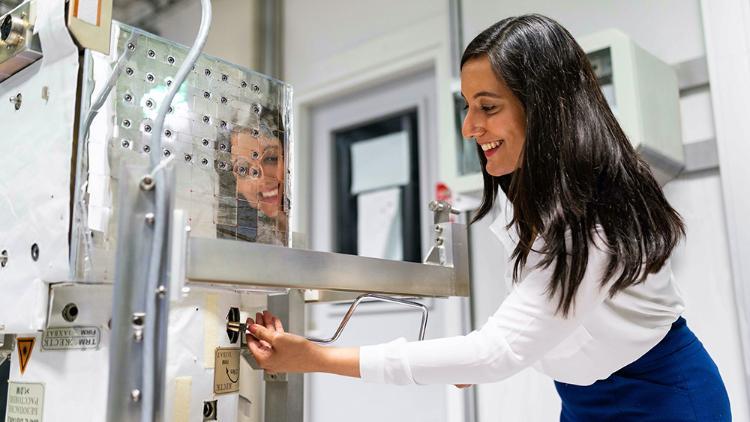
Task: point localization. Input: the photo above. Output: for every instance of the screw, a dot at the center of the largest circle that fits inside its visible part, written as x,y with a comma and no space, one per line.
168,133
17,100
128,98
206,95
3,258
170,60
131,46
438,229
439,241
35,252
150,218
223,124
129,71
207,72
255,88
150,77
125,143
224,100
188,158
204,161
167,153
161,291
256,108
206,119
205,142
135,395
223,147
243,84
149,103
224,78
147,128
138,318
147,182
151,53
146,148
126,123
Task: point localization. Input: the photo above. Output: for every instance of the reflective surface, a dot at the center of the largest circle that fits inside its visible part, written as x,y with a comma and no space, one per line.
227,131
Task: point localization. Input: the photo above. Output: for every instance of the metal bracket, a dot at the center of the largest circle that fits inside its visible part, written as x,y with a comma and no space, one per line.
381,298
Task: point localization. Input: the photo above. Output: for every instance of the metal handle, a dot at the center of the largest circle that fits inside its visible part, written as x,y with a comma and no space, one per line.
381,298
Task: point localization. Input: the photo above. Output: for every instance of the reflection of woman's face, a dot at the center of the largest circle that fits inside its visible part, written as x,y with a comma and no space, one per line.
258,165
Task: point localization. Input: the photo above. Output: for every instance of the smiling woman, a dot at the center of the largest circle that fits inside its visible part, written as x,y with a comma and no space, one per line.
594,304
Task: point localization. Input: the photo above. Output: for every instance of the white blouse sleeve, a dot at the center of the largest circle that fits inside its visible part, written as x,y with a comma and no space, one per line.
521,331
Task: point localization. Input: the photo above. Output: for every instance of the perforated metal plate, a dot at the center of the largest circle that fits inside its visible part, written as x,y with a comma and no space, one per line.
228,129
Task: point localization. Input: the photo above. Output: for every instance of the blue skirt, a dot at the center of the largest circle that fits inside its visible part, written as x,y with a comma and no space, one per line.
674,381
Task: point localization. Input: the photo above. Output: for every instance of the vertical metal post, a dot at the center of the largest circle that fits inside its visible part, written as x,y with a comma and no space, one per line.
129,384
285,392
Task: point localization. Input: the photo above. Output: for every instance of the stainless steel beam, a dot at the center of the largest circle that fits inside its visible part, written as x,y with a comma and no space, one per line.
247,265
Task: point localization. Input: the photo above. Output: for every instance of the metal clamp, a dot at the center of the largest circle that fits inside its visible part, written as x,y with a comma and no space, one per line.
442,211
380,298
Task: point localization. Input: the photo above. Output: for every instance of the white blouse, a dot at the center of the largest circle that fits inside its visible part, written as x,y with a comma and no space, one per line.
600,336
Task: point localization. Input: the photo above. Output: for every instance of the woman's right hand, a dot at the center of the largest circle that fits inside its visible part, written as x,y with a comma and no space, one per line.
276,350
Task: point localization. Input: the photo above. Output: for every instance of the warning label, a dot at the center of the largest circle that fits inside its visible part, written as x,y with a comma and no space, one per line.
25,402
25,346
226,370
71,338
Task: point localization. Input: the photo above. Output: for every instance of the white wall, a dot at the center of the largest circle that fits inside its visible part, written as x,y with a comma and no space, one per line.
233,32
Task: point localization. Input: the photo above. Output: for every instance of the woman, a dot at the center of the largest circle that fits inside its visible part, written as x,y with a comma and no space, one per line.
593,304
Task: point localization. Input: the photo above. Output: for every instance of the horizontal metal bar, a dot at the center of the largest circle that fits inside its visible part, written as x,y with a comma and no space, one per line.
246,265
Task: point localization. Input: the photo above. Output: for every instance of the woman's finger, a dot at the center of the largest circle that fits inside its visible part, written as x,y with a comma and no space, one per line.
279,326
268,320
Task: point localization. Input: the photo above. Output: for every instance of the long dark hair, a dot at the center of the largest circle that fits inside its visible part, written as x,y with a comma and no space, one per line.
577,168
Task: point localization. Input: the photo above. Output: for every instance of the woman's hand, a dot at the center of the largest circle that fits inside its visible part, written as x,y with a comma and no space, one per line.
278,351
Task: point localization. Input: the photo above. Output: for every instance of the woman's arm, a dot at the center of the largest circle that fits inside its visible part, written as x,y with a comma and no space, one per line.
277,351
522,330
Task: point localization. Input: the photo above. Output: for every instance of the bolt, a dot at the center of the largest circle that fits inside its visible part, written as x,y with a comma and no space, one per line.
150,218
147,182
131,46
161,291
438,229
135,395
439,241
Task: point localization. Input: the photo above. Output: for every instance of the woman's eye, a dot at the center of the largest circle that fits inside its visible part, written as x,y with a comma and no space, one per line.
273,159
466,106
488,108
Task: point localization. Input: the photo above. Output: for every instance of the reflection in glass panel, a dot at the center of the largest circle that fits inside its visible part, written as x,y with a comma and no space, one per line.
226,131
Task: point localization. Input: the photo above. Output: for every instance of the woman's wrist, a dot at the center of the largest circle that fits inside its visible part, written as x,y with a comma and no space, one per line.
337,360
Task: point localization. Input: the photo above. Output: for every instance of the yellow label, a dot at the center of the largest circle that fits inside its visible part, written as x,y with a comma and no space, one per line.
226,370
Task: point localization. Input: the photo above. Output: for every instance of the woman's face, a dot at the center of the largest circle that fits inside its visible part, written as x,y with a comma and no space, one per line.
258,165
494,117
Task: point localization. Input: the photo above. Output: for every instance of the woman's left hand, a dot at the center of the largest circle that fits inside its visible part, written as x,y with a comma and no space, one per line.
276,350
